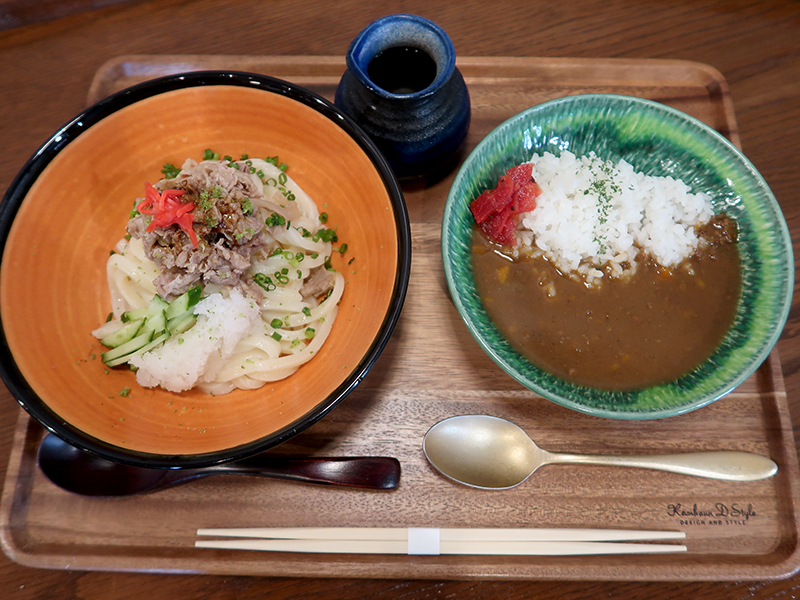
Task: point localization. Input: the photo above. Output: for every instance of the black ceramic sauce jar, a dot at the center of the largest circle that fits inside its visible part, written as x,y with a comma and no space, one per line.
404,90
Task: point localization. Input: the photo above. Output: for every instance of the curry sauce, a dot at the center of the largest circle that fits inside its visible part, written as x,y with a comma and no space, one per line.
625,334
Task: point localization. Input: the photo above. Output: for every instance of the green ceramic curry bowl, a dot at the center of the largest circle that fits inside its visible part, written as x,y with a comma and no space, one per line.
657,140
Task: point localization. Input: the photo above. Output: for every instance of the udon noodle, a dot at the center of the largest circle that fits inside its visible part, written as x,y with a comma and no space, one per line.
289,279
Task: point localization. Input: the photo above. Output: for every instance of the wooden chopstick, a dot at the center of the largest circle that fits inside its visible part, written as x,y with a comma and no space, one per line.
497,548
445,534
435,541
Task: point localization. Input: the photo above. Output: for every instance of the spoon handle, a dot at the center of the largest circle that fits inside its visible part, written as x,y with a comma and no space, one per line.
726,465
371,472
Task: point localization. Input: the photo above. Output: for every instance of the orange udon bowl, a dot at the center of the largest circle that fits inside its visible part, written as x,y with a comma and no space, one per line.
68,207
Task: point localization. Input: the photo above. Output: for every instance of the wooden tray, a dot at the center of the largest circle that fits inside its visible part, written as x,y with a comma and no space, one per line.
433,369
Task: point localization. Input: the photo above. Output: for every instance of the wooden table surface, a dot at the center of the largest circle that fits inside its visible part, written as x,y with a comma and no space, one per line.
50,50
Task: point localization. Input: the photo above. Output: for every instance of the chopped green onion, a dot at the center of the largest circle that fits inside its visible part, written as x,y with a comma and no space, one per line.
275,220
276,323
170,171
276,336
306,311
326,235
323,217
310,333
264,281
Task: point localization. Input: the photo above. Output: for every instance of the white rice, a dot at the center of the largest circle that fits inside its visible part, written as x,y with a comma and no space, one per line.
594,213
199,353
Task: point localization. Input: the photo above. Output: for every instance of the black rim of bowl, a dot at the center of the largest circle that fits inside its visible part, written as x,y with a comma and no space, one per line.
22,183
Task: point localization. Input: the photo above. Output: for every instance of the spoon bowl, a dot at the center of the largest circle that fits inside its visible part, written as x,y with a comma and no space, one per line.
85,474
491,453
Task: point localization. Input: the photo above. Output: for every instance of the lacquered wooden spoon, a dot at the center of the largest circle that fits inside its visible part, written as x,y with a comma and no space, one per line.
492,453
88,475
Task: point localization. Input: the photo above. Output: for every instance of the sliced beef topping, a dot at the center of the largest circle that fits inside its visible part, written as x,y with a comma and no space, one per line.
320,281
225,223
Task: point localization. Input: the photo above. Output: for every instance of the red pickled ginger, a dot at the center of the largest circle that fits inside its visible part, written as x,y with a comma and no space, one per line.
496,210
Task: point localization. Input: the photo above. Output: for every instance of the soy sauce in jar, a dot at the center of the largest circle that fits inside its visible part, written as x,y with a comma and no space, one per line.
402,70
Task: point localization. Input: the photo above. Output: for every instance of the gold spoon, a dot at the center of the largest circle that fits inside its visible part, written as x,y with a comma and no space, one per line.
492,453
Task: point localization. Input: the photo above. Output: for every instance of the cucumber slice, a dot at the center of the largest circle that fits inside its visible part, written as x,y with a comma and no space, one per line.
133,315
106,329
157,305
157,323
123,335
184,302
150,326
128,347
155,342
181,323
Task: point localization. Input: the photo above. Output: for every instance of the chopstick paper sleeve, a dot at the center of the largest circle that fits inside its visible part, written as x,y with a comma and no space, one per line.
424,540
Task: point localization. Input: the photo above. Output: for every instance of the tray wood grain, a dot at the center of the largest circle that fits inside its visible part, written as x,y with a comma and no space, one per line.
432,369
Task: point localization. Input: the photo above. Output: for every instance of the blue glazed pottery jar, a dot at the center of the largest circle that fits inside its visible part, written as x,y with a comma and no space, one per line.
404,90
